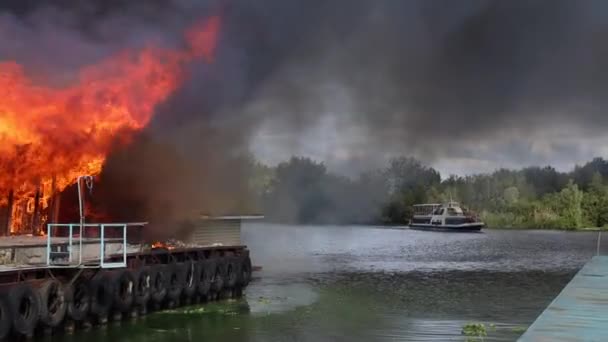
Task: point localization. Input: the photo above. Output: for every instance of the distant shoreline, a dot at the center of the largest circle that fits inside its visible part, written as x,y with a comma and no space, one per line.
588,229
404,225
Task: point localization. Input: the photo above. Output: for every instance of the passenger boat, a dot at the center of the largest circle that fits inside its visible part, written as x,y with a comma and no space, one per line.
444,217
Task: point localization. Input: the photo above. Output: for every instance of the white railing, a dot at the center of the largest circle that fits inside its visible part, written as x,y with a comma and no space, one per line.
82,229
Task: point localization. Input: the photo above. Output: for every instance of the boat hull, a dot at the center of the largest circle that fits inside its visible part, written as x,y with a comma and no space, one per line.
466,227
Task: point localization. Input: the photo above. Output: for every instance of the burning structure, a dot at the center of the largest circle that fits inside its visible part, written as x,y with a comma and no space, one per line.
49,135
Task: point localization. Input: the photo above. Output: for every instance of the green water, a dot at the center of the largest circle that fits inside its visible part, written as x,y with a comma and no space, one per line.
370,284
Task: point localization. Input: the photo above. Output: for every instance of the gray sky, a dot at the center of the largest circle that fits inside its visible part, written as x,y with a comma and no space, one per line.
466,86
346,149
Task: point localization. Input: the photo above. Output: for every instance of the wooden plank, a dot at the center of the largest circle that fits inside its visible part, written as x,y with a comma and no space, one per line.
580,311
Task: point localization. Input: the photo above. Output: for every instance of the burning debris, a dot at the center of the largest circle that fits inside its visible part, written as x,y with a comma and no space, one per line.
50,135
170,244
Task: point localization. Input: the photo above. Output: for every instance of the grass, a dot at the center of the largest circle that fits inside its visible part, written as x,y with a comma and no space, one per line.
474,331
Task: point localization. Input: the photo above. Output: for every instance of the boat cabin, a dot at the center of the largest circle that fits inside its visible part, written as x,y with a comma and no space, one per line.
447,209
448,215
426,209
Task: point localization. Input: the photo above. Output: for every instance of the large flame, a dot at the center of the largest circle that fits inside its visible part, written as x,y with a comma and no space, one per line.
49,136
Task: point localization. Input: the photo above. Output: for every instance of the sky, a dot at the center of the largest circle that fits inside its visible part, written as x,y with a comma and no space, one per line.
465,86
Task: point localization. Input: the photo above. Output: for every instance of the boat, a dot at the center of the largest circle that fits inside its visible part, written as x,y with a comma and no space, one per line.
444,217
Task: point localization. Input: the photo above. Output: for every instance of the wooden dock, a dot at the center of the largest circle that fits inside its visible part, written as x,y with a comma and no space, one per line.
580,311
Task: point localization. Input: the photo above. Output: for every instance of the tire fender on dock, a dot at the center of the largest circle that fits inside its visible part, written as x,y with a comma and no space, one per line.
232,271
245,271
160,281
205,277
6,323
78,296
53,303
102,294
143,287
191,276
176,274
24,306
124,292
219,267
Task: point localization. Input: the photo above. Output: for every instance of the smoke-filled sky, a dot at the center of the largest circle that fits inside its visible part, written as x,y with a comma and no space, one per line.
466,86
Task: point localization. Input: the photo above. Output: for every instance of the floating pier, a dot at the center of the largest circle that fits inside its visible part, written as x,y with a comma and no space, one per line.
55,283
580,311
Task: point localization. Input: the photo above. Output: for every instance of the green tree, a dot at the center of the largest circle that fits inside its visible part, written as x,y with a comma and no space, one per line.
511,195
595,202
568,204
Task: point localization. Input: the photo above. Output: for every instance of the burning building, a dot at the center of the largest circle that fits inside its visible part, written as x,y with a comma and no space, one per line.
49,134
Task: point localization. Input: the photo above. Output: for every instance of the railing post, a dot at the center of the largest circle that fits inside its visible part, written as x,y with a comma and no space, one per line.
81,233
48,244
70,249
102,245
124,245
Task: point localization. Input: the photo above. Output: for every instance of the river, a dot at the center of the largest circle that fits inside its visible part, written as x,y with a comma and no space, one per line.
321,283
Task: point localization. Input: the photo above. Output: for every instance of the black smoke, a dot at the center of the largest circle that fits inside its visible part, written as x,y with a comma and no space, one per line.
431,78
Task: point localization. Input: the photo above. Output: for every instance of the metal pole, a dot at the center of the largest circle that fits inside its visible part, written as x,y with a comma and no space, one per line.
70,243
124,245
81,230
599,239
101,243
89,183
48,245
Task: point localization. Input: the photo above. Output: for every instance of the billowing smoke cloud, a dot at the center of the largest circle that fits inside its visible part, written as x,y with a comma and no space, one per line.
510,82
481,83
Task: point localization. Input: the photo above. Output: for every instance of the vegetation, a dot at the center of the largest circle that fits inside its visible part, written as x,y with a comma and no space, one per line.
519,330
302,190
476,330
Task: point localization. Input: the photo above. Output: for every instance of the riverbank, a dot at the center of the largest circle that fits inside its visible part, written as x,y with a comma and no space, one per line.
405,225
586,229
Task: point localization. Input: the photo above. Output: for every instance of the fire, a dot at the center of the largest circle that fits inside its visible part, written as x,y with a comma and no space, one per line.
159,244
49,136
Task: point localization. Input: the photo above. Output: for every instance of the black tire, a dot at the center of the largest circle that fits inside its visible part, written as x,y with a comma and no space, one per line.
176,275
231,274
159,283
24,306
143,287
237,292
6,323
124,293
244,271
53,303
217,279
191,272
78,300
103,290
205,277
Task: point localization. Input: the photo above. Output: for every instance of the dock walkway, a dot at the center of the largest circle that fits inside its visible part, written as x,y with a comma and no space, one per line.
580,311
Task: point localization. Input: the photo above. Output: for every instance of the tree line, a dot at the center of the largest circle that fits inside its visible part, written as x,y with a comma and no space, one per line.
302,190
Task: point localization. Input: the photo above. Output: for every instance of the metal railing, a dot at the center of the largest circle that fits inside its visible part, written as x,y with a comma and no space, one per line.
82,229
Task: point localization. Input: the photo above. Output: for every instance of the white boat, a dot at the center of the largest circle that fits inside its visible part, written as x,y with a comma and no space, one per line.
446,217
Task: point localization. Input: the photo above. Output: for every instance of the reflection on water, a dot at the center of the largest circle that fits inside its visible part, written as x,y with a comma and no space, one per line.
368,284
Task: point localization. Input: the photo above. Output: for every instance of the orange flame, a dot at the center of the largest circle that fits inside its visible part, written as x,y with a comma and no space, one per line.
159,244
49,136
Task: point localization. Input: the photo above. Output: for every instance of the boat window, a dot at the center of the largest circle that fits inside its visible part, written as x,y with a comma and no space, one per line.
453,212
439,211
